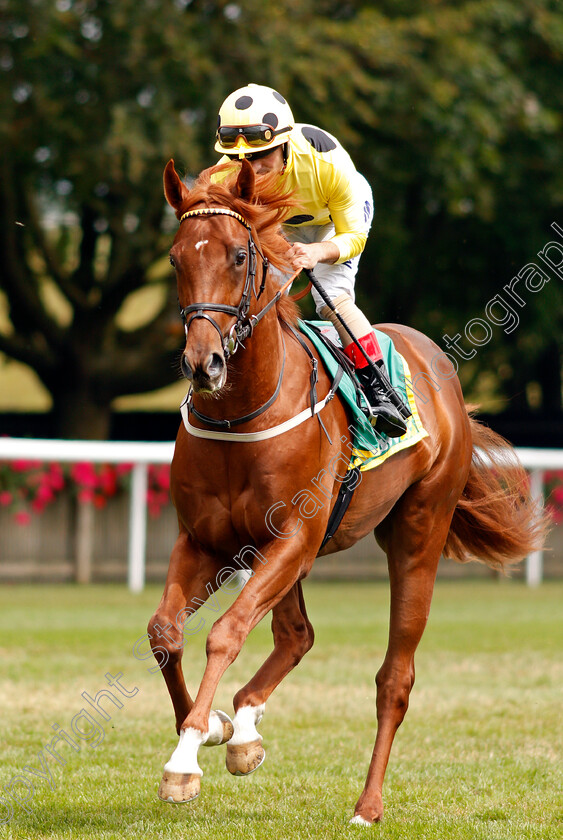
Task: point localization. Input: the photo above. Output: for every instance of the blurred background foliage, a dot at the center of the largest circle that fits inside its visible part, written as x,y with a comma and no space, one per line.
452,110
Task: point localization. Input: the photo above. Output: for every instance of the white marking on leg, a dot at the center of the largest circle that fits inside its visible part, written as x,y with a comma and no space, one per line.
201,243
184,757
245,722
357,820
215,731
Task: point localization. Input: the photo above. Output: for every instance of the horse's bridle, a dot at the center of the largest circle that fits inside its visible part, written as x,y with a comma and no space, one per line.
244,325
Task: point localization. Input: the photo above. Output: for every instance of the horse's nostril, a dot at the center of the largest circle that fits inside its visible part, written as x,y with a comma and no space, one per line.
186,368
215,365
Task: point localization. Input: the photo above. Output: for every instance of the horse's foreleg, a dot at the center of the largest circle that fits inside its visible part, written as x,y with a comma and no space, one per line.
191,579
414,543
293,637
188,575
267,587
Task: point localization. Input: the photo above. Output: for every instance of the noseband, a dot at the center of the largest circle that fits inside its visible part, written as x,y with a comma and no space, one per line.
244,325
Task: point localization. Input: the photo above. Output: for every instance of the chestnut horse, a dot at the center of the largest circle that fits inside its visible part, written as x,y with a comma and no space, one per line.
237,497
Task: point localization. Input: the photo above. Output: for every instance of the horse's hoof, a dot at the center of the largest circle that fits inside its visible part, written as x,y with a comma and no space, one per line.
243,759
179,788
220,729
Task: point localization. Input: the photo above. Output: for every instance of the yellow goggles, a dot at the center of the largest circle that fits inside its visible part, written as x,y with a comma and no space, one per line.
254,135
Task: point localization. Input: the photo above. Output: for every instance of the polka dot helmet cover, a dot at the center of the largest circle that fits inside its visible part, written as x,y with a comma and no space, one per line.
255,105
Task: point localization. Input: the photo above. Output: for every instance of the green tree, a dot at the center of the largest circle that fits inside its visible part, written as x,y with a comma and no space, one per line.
451,109
96,96
466,161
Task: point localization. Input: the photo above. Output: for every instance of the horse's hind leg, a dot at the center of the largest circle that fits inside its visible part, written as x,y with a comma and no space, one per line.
293,637
413,538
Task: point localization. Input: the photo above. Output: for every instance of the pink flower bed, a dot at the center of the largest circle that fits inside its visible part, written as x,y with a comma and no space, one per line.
28,487
553,484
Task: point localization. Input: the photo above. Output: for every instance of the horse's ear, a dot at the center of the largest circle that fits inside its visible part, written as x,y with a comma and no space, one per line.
175,190
245,181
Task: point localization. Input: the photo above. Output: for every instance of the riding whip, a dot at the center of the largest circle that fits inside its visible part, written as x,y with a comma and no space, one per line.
378,373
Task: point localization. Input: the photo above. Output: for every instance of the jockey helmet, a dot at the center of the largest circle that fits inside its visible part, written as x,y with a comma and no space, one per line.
254,118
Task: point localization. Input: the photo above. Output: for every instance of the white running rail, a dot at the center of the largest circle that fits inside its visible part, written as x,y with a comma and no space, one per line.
105,452
536,461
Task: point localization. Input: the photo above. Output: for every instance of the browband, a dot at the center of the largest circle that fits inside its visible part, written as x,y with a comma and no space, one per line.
216,211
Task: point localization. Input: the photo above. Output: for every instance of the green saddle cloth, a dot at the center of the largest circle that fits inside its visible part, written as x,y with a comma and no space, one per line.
371,447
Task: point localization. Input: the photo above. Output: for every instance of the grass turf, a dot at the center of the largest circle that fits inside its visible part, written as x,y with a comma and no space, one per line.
479,754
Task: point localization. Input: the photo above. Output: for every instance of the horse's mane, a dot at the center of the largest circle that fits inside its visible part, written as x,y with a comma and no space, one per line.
268,208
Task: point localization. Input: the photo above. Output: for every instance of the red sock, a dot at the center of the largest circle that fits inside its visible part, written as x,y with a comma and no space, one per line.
370,344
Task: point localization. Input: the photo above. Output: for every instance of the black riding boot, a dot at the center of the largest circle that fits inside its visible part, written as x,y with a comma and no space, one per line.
385,417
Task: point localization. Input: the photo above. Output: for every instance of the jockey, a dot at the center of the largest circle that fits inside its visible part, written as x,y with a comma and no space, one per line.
329,230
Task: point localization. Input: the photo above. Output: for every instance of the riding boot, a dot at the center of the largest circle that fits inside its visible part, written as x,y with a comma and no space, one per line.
384,416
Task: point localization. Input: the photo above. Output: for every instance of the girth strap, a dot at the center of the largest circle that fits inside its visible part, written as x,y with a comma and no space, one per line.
341,505
349,484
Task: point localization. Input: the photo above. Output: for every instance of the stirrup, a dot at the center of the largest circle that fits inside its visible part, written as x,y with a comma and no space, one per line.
388,421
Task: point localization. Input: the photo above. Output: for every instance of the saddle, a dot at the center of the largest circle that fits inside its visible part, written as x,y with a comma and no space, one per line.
371,448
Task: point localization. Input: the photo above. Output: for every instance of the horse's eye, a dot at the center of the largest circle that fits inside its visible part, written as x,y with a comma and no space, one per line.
172,263
240,258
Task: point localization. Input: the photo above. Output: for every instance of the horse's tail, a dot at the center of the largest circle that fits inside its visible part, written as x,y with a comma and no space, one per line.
496,520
